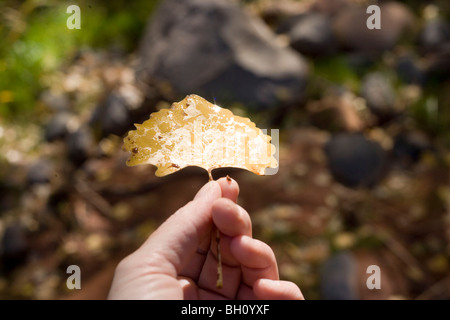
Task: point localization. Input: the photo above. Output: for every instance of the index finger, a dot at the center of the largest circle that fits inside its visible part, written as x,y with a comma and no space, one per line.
178,238
229,187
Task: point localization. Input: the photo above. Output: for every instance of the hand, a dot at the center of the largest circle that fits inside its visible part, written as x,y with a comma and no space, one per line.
178,261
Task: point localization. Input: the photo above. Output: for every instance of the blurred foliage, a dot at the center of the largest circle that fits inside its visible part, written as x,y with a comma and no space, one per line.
419,5
35,41
432,116
342,74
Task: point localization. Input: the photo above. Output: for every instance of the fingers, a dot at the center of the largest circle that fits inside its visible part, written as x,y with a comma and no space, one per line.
192,223
265,289
256,258
177,239
276,290
227,212
245,261
232,221
208,191
230,218
230,188
208,277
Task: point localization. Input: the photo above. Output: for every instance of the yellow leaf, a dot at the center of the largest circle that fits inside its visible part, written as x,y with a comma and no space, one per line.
195,132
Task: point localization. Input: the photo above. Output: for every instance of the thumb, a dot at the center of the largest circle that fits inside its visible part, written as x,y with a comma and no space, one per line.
177,239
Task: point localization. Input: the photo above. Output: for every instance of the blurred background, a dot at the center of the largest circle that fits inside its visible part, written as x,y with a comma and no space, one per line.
364,118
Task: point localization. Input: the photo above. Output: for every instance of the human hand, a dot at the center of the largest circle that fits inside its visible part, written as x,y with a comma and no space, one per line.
178,260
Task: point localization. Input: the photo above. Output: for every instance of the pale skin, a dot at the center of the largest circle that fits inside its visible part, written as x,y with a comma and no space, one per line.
178,260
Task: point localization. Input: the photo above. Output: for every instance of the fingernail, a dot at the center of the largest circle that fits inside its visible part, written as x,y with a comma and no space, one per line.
205,190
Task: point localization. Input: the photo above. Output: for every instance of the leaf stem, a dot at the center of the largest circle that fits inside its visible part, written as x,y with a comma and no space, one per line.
210,174
219,283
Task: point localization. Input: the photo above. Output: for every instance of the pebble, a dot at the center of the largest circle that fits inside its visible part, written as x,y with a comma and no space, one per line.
338,277
354,160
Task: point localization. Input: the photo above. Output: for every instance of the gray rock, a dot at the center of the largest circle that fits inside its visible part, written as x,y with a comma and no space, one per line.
335,113
311,34
379,94
330,7
14,247
409,71
56,101
80,145
352,32
276,13
355,161
217,50
112,116
409,147
434,35
434,44
338,277
57,127
40,172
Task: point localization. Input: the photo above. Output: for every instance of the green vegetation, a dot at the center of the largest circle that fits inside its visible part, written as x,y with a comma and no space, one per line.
337,70
35,41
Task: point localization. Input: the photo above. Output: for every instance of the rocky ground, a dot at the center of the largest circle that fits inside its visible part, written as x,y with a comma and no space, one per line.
364,147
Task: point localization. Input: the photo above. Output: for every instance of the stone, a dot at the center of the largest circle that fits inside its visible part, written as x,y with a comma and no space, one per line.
409,71
355,161
219,51
335,113
80,145
276,13
363,274
350,27
14,247
40,172
379,93
311,34
330,7
409,147
338,277
55,101
434,34
57,127
112,116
